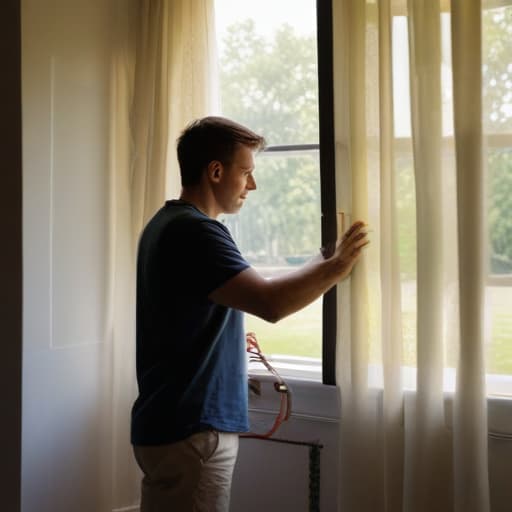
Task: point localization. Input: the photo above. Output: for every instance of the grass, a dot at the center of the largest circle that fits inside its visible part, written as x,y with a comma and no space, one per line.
301,334
499,351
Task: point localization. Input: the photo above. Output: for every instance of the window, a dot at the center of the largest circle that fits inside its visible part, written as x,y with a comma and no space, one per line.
269,82
497,125
271,72
497,95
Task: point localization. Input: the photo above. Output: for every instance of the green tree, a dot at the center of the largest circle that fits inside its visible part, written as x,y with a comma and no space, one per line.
497,70
497,96
406,216
500,210
270,84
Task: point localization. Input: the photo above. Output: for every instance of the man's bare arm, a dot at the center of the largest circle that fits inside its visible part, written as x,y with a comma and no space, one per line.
273,299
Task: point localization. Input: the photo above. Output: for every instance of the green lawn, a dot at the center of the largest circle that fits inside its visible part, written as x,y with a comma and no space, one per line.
301,335
499,351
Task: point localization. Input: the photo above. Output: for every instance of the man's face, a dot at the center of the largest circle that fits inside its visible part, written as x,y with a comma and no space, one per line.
236,181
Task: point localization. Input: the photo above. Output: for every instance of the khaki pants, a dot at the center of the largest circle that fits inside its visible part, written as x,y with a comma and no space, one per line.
193,475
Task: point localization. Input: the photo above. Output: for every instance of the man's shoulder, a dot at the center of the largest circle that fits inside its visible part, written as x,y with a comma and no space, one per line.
180,211
177,218
174,215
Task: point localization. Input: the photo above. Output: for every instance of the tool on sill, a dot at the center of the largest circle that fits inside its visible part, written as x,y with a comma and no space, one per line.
256,355
285,404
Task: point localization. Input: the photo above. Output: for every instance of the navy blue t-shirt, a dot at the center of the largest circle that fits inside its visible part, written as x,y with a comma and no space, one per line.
191,359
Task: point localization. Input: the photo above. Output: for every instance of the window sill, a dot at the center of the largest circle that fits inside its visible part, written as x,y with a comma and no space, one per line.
314,401
304,368
310,369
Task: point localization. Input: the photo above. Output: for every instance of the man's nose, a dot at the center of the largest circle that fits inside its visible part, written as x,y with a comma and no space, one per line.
251,183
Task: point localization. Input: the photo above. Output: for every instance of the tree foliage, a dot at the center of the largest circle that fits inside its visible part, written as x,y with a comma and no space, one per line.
270,85
497,96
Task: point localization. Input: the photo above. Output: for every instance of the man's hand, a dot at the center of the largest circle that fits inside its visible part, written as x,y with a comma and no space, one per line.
348,250
275,298
251,341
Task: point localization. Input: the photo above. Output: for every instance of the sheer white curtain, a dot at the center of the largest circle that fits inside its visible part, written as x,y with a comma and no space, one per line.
407,450
163,65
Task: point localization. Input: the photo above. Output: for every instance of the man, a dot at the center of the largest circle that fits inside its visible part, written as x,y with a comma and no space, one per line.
192,287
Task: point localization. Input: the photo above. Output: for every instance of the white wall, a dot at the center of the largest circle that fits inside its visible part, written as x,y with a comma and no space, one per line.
274,478
66,388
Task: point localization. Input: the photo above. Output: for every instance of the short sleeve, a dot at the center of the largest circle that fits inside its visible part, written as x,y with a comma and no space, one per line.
215,256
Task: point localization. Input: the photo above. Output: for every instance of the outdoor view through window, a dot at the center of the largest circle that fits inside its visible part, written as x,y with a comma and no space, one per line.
497,126
497,95
268,81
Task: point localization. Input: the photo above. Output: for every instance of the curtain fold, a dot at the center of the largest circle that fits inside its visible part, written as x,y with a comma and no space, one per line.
148,115
405,450
162,65
392,399
470,411
428,460
121,286
357,441
192,67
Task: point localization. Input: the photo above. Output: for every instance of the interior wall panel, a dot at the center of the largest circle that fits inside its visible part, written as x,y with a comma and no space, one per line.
66,50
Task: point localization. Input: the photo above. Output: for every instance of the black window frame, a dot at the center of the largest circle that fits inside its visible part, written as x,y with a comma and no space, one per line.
327,177
326,149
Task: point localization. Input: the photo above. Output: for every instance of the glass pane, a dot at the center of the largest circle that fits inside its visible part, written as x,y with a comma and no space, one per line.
268,67
497,123
497,69
497,120
500,210
268,82
277,230
498,330
498,314
406,216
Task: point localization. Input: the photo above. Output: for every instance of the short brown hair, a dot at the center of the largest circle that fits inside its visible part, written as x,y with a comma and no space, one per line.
211,138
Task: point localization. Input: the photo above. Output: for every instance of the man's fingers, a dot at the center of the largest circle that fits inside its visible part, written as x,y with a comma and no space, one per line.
358,248
352,248
356,226
358,238
350,245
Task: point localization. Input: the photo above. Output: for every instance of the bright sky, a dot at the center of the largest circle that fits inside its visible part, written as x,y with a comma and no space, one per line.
267,14
301,14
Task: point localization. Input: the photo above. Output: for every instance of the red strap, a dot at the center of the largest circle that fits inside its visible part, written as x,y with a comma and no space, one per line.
280,386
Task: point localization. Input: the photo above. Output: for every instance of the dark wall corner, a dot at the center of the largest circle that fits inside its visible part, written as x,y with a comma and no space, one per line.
11,253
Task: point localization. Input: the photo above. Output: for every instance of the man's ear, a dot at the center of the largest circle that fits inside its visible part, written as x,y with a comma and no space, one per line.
214,171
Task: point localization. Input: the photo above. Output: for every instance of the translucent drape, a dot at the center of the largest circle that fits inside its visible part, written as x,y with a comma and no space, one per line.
470,418
162,66
406,450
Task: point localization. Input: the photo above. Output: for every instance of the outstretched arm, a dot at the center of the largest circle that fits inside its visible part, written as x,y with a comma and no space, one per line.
273,299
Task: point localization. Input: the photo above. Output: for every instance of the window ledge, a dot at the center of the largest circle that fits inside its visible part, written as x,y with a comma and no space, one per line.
310,369
315,401
305,368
